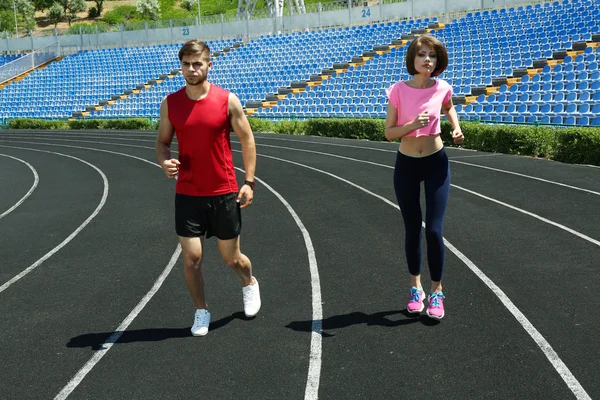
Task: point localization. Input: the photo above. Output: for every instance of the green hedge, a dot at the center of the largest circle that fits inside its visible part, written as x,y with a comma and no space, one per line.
371,129
580,146
121,124
348,128
529,140
22,123
261,125
571,145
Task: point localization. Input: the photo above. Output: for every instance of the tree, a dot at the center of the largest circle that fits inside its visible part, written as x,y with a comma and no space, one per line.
25,14
148,8
7,21
190,5
41,5
71,8
99,6
55,14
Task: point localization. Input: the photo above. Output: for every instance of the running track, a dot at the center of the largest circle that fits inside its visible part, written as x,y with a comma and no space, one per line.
93,303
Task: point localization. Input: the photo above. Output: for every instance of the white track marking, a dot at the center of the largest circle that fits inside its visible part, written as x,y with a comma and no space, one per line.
36,180
106,346
543,344
566,229
452,160
550,354
72,235
314,368
314,365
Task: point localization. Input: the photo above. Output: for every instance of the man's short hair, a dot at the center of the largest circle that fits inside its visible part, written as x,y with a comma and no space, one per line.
435,45
195,46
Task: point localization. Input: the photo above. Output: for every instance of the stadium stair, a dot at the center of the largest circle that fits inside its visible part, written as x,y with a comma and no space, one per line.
337,68
558,57
24,75
143,86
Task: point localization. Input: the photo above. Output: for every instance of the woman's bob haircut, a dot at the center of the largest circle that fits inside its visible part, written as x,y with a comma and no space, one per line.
433,43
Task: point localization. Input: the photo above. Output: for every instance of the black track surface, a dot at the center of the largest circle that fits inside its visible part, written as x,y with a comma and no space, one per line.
57,316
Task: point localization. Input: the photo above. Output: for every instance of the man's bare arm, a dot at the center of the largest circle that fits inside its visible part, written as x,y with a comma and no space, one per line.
163,142
242,129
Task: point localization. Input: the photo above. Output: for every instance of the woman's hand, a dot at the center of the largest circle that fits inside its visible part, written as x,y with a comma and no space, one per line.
458,136
421,121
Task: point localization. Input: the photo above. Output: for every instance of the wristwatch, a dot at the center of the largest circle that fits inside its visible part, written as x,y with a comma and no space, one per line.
250,183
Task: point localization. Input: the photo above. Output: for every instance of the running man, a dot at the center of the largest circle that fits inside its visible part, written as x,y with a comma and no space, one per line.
207,198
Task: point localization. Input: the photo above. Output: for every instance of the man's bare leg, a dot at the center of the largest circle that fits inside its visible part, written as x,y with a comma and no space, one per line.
192,271
233,257
231,254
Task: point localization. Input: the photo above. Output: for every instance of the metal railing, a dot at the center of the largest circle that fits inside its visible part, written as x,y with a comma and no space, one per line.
28,62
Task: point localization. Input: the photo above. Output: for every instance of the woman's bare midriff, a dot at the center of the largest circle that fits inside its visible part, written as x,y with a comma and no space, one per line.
420,146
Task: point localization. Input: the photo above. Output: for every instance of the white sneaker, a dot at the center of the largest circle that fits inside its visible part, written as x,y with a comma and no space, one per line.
251,294
201,322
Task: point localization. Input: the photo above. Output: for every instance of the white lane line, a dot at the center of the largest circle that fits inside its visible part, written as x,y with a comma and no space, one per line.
111,132
72,235
81,374
36,180
314,366
76,380
565,228
542,343
93,149
546,220
56,135
452,159
528,176
314,369
370,148
334,144
546,348
478,156
560,226
106,346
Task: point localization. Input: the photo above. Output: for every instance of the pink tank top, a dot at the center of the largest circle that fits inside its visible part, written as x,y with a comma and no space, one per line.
411,102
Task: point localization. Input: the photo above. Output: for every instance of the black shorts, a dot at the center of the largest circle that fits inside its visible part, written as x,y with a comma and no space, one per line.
208,216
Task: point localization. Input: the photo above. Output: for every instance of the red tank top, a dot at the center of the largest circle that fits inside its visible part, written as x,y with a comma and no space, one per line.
203,129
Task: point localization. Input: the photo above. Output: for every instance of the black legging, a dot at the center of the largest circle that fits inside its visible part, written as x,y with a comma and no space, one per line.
409,172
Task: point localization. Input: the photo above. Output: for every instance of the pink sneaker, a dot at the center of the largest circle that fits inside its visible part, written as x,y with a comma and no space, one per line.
436,305
415,300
